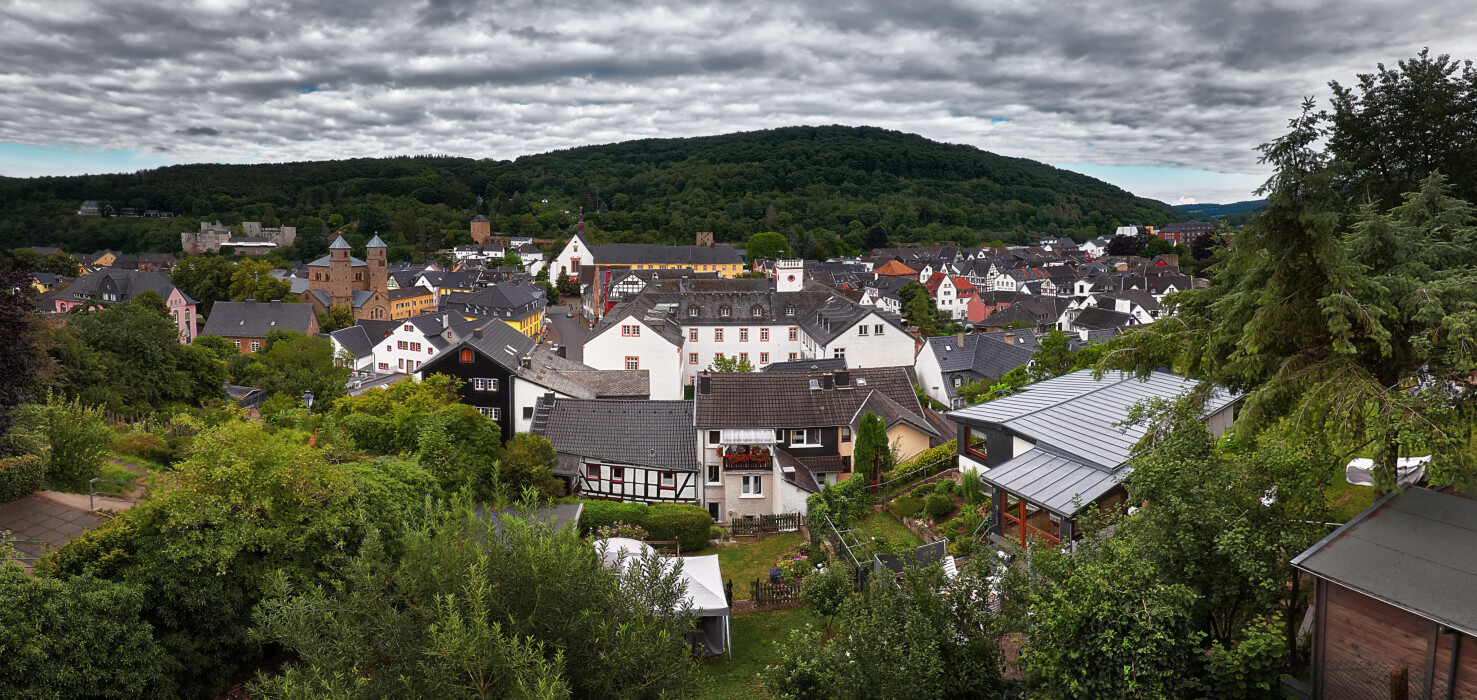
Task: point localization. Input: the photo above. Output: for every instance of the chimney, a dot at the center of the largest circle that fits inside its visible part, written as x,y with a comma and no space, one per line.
525,362
560,350
477,333
960,339
1009,337
276,302
704,385
843,377
828,382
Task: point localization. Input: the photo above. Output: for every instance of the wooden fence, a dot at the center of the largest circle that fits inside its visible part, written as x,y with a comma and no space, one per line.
784,522
764,592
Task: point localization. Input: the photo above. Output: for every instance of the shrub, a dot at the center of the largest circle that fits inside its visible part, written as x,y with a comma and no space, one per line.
716,533
138,444
620,529
923,491
826,591
76,435
970,487
20,476
598,514
938,506
687,524
906,507
945,487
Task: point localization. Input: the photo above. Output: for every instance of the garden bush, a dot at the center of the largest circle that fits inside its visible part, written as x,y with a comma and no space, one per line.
20,476
598,514
945,487
70,437
906,507
970,487
688,524
139,444
923,491
938,506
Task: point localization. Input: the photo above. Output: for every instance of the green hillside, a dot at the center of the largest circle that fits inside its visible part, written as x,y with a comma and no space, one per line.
824,187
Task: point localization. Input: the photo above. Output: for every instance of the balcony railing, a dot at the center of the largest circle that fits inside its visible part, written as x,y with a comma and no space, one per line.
742,457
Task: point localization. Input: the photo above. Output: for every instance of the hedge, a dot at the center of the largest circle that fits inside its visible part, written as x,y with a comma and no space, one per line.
939,506
20,476
689,525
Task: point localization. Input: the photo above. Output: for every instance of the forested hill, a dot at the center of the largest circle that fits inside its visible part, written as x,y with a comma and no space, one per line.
825,187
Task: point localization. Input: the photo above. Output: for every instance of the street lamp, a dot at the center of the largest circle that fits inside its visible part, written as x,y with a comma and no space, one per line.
226,391
308,399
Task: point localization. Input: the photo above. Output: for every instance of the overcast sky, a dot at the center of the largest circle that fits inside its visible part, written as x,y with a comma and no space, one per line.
1167,99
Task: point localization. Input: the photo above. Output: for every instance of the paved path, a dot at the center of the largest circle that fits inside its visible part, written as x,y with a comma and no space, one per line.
569,332
42,525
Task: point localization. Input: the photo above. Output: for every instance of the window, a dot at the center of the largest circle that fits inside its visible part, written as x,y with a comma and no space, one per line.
779,435
490,412
415,347
717,335
713,437
805,437
409,327
862,329
794,335
484,384
763,358
527,412
400,345
631,331
400,364
692,312
846,433
238,346
743,335
763,335
692,335
692,358
256,345
789,309
384,365
757,311
753,487
632,362
975,444
592,472
743,357
617,475
724,311
466,357
668,480
877,329
715,474
838,353
793,356
958,381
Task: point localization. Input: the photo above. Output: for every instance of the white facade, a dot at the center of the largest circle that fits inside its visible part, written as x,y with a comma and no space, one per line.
576,254
930,374
615,480
366,363
635,340
404,350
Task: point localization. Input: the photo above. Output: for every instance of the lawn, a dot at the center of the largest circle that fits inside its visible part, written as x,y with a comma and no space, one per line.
1346,500
743,563
754,636
887,528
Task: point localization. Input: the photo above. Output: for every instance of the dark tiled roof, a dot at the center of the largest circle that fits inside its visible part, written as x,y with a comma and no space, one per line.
796,472
1098,318
125,283
356,340
252,319
409,292
648,433
323,261
745,399
644,253
829,364
987,354
619,383
892,413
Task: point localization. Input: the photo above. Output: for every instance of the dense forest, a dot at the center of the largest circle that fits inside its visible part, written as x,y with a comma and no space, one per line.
823,187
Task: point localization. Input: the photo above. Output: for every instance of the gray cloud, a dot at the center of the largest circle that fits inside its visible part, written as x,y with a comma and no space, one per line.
1143,83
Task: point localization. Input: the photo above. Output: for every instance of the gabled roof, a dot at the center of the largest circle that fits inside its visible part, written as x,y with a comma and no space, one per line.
253,319
893,268
737,399
987,354
1416,550
646,253
125,283
891,413
828,364
356,340
644,433
1097,318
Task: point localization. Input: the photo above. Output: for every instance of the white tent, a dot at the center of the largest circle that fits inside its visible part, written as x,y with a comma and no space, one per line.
616,551
1409,470
705,590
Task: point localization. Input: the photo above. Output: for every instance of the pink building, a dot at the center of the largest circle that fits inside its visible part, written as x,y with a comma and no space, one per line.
108,286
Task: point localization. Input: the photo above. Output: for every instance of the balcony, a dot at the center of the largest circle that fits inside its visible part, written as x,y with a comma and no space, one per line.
747,457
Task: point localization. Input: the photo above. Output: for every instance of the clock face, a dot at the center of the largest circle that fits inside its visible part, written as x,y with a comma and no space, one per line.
792,278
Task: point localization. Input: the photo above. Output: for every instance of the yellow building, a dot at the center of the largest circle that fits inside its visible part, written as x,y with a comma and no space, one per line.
519,305
411,301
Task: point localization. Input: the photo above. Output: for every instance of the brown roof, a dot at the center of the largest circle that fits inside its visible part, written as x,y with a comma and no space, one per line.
893,268
752,399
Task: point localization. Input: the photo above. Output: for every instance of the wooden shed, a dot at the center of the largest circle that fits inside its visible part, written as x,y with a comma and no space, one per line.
1396,600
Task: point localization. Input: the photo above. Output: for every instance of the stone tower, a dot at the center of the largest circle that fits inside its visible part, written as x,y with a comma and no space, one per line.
481,230
705,239
379,272
340,273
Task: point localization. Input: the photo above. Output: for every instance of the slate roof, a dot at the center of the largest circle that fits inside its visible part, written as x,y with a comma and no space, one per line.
645,433
252,319
795,472
617,383
356,340
339,244
738,399
375,243
892,413
505,300
1097,318
986,354
1416,549
828,364
506,346
1076,415
323,261
126,283
409,292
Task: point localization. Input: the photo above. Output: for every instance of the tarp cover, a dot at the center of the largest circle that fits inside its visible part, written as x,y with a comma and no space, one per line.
705,590
619,551
1411,470
746,436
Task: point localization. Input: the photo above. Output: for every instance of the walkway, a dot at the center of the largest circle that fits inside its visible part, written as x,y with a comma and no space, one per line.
40,526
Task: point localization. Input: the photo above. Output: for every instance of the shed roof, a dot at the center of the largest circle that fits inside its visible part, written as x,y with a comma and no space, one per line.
1056,482
1416,550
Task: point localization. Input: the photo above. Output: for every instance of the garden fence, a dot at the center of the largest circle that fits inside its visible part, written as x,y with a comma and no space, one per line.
1388,682
764,592
847,549
916,474
784,522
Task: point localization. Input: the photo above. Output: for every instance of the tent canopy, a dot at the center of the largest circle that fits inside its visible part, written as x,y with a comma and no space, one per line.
705,585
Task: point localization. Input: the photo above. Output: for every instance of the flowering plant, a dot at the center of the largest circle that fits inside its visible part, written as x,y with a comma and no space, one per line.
621,529
794,567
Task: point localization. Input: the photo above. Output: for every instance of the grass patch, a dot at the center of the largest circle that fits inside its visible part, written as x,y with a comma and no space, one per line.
888,530
115,472
907,506
743,563
145,463
754,647
1346,500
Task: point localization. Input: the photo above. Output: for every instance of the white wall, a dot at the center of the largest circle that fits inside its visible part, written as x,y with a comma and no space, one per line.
387,350
577,247
930,375
893,348
1019,446
360,363
653,352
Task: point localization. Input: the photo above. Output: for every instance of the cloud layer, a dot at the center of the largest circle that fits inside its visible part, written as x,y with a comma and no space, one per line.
1147,83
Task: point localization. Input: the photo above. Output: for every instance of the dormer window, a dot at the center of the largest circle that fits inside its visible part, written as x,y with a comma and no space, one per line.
757,311
725,311
789,309
692,312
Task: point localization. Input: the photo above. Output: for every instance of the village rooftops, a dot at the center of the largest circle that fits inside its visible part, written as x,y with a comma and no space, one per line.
741,399
654,254
641,433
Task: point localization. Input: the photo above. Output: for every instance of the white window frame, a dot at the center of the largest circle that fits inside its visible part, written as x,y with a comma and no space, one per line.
838,353
492,412
804,435
862,329
484,384
753,486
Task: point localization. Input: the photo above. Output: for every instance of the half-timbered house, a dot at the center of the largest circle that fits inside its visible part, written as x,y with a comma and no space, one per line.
637,451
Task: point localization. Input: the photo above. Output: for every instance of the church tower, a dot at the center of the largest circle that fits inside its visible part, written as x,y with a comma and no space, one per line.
340,272
789,275
379,272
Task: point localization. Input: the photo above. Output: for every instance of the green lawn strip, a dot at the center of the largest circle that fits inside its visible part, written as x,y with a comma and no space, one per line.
127,458
754,636
886,526
1346,500
744,562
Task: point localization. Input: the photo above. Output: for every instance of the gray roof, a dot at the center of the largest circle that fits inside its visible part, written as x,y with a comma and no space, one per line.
646,433
1097,318
374,242
614,383
356,340
338,243
1416,550
125,283
1060,484
323,261
647,253
986,354
828,364
252,319
1078,416
734,399
504,345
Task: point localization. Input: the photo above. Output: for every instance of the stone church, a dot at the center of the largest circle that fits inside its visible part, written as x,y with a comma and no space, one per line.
340,279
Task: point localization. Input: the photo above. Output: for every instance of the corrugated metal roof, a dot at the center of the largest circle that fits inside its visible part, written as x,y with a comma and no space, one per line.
1060,484
1416,550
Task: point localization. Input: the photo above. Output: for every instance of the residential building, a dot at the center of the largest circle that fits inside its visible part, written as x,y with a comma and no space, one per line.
339,279
247,323
770,439
517,304
353,346
89,208
108,286
46,281
411,301
1060,446
676,328
1393,593
636,451
948,363
579,252
1185,232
